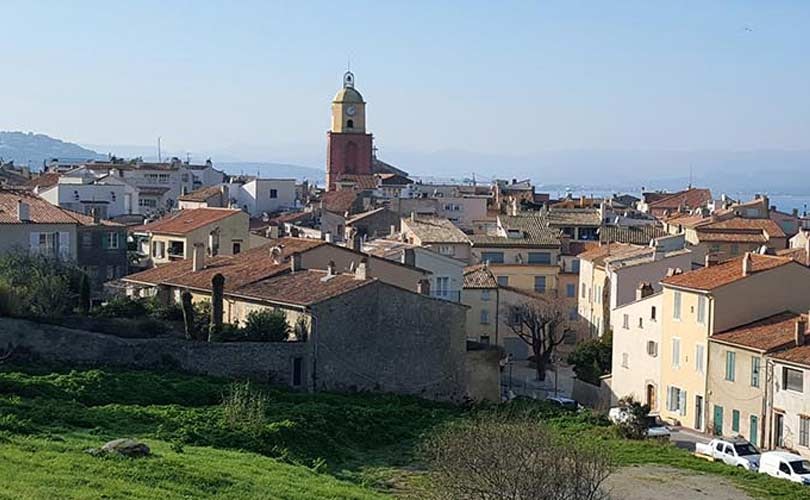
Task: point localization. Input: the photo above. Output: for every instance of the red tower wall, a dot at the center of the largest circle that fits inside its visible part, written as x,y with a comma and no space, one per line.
344,158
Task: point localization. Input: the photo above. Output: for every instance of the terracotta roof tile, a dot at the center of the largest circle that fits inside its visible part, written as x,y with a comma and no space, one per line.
599,254
304,287
769,334
710,278
339,201
799,355
185,221
360,181
40,211
690,198
800,255
479,276
44,180
636,235
201,194
434,230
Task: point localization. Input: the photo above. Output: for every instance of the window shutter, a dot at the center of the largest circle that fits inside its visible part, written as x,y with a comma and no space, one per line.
64,244
34,238
105,242
682,403
669,398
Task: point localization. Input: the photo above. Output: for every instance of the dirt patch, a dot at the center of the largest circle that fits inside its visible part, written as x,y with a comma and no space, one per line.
653,482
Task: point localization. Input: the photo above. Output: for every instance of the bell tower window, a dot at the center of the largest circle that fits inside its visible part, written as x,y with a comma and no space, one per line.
350,124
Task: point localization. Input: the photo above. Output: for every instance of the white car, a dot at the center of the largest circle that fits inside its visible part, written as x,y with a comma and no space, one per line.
734,451
785,466
655,430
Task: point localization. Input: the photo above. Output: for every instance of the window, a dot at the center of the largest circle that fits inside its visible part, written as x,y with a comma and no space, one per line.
731,359
583,290
624,360
754,371
676,353
274,193
641,322
503,280
792,380
701,314
539,258
652,313
540,284
447,249
147,202
484,294
298,371
47,243
570,290
442,286
735,249
484,317
350,124
484,339
652,348
626,321
159,249
237,247
112,241
699,358
676,306
492,257
804,430
735,421
573,315
676,400
87,239
575,266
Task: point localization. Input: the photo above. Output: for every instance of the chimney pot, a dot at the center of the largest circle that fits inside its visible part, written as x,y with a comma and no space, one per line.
23,211
800,336
746,264
295,262
330,268
198,257
361,273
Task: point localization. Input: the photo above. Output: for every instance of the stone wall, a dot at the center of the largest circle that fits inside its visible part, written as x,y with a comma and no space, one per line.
263,362
483,372
383,338
597,397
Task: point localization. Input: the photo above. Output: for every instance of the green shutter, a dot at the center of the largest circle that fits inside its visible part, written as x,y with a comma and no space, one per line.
105,244
754,429
735,420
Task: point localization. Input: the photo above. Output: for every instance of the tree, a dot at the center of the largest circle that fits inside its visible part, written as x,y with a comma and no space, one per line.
217,297
592,358
542,324
518,458
266,326
84,294
188,314
632,422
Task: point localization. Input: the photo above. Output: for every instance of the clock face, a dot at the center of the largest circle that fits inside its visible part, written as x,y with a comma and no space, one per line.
351,110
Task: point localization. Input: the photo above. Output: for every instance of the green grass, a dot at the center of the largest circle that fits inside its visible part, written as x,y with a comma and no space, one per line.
311,446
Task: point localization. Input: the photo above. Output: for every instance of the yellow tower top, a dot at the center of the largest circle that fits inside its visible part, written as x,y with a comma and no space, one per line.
348,108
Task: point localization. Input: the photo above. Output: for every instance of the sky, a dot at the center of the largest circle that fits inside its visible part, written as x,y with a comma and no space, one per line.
497,78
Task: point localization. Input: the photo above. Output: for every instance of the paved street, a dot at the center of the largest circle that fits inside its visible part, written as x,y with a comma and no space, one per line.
523,381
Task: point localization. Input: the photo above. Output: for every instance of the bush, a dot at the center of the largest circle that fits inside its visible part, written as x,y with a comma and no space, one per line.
202,318
266,326
156,309
121,307
44,287
11,304
633,422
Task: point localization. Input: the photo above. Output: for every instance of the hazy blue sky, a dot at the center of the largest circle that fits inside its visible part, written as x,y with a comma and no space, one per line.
493,77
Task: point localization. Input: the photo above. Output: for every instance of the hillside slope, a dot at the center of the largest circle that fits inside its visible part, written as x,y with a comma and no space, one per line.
30,148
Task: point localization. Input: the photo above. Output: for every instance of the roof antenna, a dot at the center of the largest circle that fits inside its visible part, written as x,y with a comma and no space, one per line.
159,158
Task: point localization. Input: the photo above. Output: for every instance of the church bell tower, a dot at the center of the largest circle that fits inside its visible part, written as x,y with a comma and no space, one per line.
349,147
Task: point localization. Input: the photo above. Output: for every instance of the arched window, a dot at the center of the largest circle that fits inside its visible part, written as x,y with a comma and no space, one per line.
350,124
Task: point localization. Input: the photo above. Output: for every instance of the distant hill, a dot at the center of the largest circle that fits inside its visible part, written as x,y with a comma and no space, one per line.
29,148
272,170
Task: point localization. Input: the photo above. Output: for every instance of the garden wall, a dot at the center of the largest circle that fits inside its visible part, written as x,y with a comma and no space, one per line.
271,362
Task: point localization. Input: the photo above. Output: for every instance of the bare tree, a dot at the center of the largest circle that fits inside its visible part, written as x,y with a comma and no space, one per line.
487,458
542,323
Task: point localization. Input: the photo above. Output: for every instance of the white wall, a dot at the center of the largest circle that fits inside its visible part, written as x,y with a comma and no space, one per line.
255,196
76,197
624,280
793,404
441,266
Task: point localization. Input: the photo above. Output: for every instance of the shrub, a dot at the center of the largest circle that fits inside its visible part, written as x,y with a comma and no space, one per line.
156,309
266,326
11,303
245,408
633,423
202,318
592,358
121,307
43,286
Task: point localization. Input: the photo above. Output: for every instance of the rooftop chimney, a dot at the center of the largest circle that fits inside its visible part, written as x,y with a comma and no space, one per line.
645,289
361,273
23,211
330,268
275,254
357,242
801,330
409,257
198,257
423,287
96,217
712,259
327,237
746,264
413,216
513,207
295,262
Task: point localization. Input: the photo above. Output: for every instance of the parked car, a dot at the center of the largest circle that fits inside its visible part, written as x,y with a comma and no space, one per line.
734,451
655,429
785,466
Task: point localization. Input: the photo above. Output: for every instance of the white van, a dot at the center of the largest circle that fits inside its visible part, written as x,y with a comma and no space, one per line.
785,466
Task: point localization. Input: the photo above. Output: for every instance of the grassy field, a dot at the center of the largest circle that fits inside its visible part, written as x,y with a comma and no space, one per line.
310,446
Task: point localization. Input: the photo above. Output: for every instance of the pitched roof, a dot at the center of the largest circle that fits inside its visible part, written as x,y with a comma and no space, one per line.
39,210
479,276
339,201
360,181
186,221
765,335
799,355
636,235
524,230
800,255
598,255
432,229
257,274
710,278
44,180
201,194
393,179
574,217
739,229
690,198
363,215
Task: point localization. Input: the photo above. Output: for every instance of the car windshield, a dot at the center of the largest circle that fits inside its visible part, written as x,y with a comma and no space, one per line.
800,466
744,449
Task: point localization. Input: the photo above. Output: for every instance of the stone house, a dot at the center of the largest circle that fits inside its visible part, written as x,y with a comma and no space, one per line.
789,379
437,234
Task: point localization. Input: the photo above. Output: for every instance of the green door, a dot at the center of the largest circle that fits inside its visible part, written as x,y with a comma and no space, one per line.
754,429
718,420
